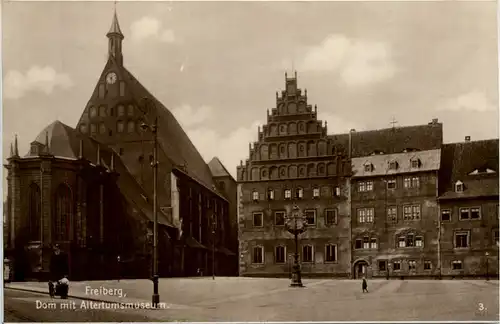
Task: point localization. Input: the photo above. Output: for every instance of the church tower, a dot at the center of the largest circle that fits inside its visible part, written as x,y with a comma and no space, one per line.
115,41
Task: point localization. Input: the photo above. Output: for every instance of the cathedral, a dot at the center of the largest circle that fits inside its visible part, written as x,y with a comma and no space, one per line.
90,189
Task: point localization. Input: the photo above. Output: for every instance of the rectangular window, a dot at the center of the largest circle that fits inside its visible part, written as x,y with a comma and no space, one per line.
330,216
307,253
418,241
369,185
446,215
415,182
93,128
402,242
391,184
407,212
456,265
414,164
412,265
366,242
410,240
288,194
299,193
393,165
102,91
415,212
310,216
361,186
373,243
396,265
255,196
361,215
475,213
316,193
336,192
407,182
464,213
382,265
331,253
392,214
279,218
280,254
365,215
461,239
270,194
427,265
359,244
258,220
369,215
122,88
368,168
258,254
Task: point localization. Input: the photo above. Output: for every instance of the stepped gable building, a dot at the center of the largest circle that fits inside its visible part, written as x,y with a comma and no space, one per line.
469,215
294,162
393,201
90,190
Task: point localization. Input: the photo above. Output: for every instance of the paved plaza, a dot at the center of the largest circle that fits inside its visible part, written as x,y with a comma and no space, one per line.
258,299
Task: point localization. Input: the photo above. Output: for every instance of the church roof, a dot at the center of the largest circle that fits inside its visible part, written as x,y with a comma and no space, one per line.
217,168
475,164
172,138
64,142
115,26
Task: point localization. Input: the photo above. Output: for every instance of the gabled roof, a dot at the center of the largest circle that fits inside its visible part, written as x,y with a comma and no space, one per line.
429,161
458,163
171,137
392,140
217,168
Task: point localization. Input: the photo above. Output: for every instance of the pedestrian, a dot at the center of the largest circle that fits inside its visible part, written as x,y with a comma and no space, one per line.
364,285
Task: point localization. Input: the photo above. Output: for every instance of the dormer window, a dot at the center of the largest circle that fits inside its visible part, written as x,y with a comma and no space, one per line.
483,170
415,163
368,167
459,186
393,165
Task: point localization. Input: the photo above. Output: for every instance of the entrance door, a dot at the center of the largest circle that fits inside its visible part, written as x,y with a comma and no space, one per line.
360,269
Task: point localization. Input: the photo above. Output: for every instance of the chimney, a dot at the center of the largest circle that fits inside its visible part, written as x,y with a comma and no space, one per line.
435,121
467,138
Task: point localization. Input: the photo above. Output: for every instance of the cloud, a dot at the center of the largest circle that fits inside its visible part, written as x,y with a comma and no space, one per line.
229,148
472,101
148,27
358,62
188,117
338,125
41,79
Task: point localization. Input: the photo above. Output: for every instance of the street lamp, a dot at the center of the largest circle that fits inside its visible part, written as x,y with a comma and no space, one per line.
213,248
487,264
154,164
296,225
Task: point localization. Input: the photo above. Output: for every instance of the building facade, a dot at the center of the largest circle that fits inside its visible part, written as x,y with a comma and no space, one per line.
90,190
294,163
378,203
468,201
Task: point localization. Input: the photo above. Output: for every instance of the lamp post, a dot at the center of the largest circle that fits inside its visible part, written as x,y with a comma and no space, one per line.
213,249
154,164
296,225
487,264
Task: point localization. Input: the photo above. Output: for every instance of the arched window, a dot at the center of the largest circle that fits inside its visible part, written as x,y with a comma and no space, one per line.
119,127
34,212
121,110
130,110
63,214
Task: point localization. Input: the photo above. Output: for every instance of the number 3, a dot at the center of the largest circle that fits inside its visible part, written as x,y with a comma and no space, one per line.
481,307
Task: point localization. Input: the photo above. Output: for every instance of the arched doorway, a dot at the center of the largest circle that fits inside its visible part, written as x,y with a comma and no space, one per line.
360,269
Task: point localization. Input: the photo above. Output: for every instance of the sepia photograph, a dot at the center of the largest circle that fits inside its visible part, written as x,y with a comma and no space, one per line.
250,161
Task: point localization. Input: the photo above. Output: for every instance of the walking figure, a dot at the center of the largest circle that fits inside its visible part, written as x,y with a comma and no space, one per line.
365,285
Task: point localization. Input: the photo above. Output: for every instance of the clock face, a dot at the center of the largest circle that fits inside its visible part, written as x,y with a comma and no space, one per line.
111,78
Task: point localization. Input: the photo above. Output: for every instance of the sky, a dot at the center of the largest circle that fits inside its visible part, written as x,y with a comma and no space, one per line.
218,65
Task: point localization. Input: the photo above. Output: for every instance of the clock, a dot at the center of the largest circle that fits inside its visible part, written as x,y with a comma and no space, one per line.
111,78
